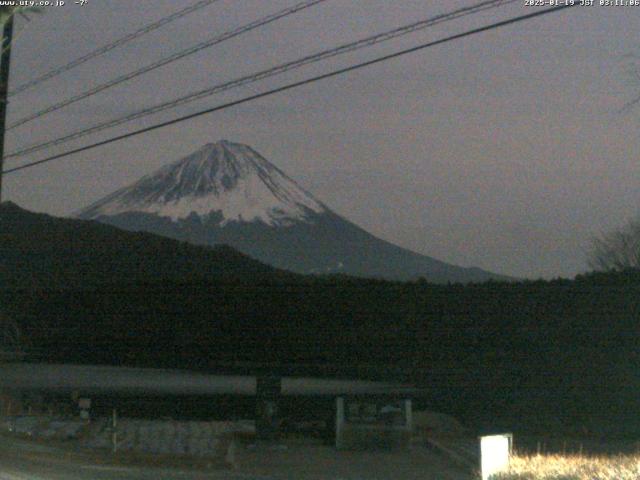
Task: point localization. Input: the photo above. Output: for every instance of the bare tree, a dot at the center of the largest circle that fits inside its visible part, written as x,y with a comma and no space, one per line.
618,249
632,72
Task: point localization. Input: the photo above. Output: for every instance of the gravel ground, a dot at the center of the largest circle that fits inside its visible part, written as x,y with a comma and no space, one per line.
162,437
26,460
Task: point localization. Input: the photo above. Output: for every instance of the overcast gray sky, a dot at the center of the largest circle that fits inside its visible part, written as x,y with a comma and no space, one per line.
505,150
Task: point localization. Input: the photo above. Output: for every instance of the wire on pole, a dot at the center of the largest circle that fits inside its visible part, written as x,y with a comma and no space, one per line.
167,60
270,72
293,85
107,48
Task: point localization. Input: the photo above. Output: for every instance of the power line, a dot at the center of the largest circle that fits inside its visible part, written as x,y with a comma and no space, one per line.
106,48
293,85
172,58
243,81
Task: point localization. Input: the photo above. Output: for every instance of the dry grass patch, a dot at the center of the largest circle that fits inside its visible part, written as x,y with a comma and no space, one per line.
572,467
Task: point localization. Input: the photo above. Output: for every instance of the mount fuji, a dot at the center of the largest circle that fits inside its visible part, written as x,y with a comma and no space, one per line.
227,193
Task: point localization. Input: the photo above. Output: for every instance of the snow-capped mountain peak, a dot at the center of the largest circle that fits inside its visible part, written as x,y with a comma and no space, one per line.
224,179
227,193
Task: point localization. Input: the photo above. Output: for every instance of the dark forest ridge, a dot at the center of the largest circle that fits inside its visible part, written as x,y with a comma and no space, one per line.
41,250
84,292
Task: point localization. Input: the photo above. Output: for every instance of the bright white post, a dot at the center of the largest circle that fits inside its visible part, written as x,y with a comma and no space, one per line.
495,451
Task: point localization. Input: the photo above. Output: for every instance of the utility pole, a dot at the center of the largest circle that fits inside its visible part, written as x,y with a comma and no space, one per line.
5,63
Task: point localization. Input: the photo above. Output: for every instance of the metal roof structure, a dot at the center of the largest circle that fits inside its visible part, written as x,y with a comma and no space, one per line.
94,379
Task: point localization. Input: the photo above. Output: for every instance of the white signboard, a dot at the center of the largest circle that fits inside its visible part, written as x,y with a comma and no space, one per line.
495,451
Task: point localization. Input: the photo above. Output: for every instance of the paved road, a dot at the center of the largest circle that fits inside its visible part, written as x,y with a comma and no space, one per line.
21,460
24,461
19,469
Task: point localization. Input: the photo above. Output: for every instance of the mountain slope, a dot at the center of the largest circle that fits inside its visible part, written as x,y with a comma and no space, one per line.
40,250
227,193
483,352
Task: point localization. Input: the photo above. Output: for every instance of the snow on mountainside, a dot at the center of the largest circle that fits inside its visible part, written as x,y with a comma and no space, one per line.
224,178
227,193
